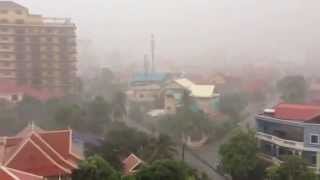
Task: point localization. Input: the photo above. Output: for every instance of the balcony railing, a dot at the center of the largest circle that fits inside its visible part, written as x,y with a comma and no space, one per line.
281,142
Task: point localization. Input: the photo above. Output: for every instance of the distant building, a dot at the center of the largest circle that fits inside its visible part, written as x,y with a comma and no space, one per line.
12,93
146,87
202,94
51,154
35,50
290,129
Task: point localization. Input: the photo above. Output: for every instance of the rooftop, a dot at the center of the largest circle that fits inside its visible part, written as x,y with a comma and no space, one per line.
199,91
52,152
294,112
149,77
10,4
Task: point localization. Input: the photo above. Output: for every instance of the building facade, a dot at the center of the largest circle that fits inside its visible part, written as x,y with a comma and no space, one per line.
290,129
36,50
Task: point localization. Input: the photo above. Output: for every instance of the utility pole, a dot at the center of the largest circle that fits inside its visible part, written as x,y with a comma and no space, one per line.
152,44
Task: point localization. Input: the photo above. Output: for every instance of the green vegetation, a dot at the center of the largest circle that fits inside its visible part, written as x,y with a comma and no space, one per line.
293,89
293,168
121,141
95,168
233,104
168,170
239,156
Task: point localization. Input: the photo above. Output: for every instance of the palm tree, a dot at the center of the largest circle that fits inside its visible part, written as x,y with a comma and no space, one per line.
119,106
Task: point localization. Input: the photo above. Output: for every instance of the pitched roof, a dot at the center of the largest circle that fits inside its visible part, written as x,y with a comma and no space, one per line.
10,4
51,151
14,174
199,91
296,112
130,164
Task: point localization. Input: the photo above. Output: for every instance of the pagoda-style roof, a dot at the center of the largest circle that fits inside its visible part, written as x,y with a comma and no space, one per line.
40,152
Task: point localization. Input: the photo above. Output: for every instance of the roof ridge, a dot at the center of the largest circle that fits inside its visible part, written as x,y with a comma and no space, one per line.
23,172
9,173
54,151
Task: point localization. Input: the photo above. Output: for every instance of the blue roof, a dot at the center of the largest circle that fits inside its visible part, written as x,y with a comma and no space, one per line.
149,77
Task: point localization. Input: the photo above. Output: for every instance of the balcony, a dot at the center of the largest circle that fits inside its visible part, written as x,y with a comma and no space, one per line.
281,142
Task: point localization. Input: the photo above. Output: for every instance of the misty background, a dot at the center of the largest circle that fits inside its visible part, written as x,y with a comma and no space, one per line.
117,32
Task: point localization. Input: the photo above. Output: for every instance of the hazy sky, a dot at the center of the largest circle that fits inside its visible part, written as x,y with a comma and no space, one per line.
192,29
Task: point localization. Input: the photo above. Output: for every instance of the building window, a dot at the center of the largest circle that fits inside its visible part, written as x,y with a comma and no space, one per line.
4,38
4,11
19,21
6,55
4,29
6,64
314,139
18,12
5,47
4,21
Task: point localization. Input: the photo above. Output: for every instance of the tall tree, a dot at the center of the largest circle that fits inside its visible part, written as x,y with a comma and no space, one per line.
293,89
162,147
119,106
95,168
120,141
239,155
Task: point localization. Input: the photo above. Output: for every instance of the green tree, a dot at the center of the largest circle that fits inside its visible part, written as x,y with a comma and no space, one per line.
233,104
167,170
120,141
72,116
239,155
293,168
135,112
95,168
119,106
293,89
162,147
98,114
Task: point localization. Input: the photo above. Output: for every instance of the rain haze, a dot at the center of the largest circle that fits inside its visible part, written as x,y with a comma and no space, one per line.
190,30
160,89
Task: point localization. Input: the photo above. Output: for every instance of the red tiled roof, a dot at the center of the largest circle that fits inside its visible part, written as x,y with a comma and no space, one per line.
130,163
45,153
13,174
296,112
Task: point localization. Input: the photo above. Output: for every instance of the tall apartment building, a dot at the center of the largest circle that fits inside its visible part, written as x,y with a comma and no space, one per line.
35,50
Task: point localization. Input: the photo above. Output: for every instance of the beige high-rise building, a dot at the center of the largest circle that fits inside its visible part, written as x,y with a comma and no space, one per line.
35,50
